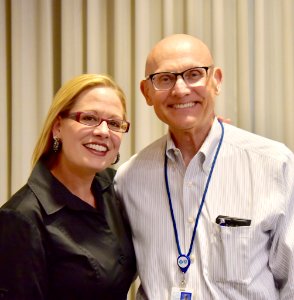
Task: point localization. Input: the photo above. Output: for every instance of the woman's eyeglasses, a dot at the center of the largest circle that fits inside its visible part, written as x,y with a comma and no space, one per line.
92,120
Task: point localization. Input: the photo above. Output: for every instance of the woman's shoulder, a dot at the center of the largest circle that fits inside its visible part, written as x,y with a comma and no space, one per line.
22,203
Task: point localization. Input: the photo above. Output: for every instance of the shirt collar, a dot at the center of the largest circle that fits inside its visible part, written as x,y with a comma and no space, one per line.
207,149
53,195
210,145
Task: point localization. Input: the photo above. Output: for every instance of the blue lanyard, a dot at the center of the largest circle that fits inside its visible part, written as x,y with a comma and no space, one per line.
184,260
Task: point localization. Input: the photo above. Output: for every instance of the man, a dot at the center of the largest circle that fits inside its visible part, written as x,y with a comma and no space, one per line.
211,206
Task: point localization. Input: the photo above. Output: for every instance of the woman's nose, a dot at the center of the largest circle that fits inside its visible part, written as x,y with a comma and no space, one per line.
102,129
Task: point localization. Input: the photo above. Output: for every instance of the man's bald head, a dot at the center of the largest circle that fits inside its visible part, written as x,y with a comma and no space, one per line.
177,46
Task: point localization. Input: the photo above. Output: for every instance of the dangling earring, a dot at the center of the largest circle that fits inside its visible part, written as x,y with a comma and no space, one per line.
117,159
56,144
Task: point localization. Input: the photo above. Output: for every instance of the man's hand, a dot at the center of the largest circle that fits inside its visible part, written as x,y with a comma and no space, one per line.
225,120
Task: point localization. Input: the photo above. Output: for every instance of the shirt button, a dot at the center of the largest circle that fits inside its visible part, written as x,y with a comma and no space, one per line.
122,259
191,220
192,258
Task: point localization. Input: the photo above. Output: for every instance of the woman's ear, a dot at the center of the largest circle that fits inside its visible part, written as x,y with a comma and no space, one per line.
145,91
217,78
56,127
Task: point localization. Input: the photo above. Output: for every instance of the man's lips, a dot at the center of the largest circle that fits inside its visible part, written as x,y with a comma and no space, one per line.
96,147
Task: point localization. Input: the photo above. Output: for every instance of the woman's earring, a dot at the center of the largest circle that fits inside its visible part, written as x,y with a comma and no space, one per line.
56,144
117,159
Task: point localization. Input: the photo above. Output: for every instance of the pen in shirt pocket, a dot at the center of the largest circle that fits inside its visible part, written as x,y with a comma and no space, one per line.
232,221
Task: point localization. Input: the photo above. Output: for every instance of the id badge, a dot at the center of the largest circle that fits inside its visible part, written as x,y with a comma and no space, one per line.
181,294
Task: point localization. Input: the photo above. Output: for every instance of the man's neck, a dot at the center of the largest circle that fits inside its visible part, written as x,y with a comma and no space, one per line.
190,141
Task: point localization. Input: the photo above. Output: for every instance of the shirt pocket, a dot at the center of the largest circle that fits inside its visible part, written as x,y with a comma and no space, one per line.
229,254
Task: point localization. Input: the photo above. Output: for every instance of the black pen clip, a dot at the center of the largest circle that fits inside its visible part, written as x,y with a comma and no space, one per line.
231,221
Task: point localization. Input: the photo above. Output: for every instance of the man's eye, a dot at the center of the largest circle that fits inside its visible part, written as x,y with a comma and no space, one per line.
164,78
194,74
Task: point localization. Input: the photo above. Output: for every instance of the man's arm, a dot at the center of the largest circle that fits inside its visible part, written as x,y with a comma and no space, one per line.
281,259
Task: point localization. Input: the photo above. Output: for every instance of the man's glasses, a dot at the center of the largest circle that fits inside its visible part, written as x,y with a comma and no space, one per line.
164,81
91,119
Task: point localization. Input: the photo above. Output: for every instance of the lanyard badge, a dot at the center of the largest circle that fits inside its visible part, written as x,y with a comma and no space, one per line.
183,262
181,294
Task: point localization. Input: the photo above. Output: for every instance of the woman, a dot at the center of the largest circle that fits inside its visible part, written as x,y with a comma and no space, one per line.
62,235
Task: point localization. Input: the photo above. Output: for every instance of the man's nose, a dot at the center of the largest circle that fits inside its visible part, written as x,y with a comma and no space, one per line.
180,86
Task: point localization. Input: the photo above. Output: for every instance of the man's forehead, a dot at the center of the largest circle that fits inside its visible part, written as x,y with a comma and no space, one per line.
176,62
177,53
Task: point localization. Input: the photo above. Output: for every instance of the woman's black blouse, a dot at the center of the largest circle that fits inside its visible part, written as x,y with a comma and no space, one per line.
55,246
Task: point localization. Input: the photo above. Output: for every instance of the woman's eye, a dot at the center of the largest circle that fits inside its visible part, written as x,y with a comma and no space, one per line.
89,118
114,123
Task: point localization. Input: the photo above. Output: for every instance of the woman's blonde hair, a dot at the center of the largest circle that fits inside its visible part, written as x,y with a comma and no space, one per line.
64,101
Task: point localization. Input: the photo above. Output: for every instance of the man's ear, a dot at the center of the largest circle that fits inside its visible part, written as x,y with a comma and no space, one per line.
145,91
217,78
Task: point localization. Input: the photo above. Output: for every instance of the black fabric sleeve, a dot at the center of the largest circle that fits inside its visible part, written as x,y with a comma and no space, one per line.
23,274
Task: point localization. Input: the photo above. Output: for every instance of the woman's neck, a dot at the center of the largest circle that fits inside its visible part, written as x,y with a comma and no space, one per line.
78,185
